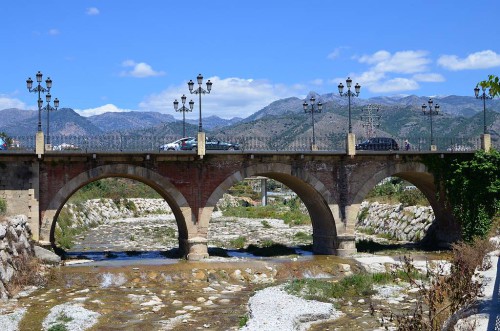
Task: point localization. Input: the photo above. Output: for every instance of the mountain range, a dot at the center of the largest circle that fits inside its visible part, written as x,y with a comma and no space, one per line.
400,116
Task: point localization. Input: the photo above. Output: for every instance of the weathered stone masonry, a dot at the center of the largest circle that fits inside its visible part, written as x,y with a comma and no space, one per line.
332,186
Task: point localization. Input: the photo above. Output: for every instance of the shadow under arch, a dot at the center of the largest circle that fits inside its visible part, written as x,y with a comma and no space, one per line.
177,202
315,196
446,229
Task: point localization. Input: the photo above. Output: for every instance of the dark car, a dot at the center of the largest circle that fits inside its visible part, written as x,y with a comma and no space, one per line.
3,144
378,144
211,144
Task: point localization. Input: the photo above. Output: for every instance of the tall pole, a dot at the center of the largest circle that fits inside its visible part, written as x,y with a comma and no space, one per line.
432,111
39,89
183,109
312,111
199,90
48,108
349,98
349,93
484,115
483,96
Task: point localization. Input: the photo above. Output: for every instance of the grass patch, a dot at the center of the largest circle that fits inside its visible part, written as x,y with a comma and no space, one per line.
58,327
3,206
302,236
238,242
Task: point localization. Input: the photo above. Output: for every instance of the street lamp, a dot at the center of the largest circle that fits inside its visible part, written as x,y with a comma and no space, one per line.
199,90
312,111
39,89
183,109
349,93
483,96
432,111
48,108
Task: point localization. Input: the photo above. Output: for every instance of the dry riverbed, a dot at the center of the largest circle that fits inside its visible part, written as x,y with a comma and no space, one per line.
221,293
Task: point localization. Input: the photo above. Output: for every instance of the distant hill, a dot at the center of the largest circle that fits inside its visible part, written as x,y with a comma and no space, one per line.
285,120
133,120
214,122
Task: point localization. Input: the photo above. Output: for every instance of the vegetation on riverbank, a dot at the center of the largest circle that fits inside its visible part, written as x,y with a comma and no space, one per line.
3,206
394,190
441,293
114,188
472,185
289,211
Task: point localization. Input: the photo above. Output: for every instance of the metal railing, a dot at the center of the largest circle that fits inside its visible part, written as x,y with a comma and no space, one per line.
150,143
443,144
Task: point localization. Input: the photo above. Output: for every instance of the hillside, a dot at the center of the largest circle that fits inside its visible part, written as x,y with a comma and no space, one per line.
132,120
282,121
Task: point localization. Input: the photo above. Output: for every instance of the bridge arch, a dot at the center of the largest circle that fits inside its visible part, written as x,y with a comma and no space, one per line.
315,195
178,203
446,229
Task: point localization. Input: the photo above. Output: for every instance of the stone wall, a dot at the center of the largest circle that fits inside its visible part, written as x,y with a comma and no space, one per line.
395,221
97,211
15,242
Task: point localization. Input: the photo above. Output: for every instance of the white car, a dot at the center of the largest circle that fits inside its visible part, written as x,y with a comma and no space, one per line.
65,147
174,145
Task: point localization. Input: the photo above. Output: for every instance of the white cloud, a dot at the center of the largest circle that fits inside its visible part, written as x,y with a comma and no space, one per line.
139,70
479,60
108,108
92,11
230,97
400,71
429,77
53,32
336,52
7,103
405,62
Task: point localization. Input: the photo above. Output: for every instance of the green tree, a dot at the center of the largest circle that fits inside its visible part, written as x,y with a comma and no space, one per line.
493,82
473,189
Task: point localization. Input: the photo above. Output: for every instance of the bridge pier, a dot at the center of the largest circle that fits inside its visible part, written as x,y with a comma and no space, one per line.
196,248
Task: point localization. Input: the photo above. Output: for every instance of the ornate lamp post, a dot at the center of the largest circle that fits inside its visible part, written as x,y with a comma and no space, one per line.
39,89
432,111
349,94
312,111
48,108
199,90
183,109
483,96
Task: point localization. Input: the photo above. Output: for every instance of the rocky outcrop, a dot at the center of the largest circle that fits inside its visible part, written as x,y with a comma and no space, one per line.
15,244
395,221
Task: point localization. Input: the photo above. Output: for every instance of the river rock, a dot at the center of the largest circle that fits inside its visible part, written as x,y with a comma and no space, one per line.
46,256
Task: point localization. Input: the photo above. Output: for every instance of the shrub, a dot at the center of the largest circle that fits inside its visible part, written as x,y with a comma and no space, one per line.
412,198
29,272
3,206
238,242
473,189
444,294
363,214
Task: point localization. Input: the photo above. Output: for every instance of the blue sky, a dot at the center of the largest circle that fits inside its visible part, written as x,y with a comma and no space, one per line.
139,55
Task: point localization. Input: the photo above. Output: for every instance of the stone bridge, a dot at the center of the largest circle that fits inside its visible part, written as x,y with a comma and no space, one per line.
331,185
